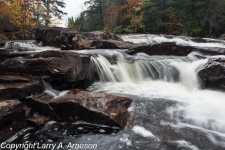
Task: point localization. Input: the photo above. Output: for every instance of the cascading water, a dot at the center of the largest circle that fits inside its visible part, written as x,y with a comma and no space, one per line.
169,79
170,110
11,44
28,46
135,70
184,41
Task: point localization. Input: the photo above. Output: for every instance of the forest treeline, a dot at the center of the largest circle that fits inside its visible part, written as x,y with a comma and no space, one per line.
27,14
177,17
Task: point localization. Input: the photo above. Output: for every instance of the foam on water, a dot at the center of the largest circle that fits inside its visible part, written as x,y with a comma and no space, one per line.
184,41
154,79
142,131
185,144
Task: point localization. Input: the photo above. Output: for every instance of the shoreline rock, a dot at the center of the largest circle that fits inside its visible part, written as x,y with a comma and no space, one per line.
213,75
70,39
12,118
16,87
60,68
168,48
102,108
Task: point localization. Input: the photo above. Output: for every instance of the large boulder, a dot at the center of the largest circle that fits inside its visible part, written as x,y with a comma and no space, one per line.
213,74
70,38
14,86
102,108
168,48
50,36
61,68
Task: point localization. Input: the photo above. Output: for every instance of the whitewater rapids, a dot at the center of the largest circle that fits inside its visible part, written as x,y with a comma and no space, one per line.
169,79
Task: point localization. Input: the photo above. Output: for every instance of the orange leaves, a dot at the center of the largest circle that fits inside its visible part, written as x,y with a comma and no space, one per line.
131,11
16,13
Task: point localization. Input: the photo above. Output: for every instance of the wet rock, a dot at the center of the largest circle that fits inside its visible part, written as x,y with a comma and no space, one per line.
50,36
173,49
11,53
66,47
12,87
222,37
154,115
80,43
198,40
86,74
93,107
38,120
101,40
39,103
2,43
60,68
60,36
111,44
12,118
11,110
14,79
213,75
101,35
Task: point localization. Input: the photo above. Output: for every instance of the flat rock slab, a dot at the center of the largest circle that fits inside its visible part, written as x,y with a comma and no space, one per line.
60,68
19,90
11,53
102,108
14,78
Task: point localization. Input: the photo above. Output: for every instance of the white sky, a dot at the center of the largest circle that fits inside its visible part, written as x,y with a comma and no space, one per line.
73,9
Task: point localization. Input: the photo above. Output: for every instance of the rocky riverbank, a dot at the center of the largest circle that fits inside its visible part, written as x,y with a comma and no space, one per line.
39,86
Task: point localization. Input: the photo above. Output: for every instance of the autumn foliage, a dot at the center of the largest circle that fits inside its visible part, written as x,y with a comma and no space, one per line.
26,14
131,11
179,17
16,14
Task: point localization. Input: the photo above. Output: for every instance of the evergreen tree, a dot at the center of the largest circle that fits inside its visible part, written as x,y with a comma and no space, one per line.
179,17
52,8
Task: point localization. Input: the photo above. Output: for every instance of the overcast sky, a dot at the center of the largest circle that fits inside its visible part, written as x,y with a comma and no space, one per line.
73,9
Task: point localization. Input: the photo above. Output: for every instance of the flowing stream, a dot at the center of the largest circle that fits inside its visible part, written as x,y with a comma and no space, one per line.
179,40
167,79
170,111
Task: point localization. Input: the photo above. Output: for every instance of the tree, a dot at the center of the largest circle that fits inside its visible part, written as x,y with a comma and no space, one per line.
131,13
110,16
52,8
186,17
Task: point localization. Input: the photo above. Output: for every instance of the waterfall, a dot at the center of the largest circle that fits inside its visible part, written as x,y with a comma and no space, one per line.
28,46
11,44
134,70
51,91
